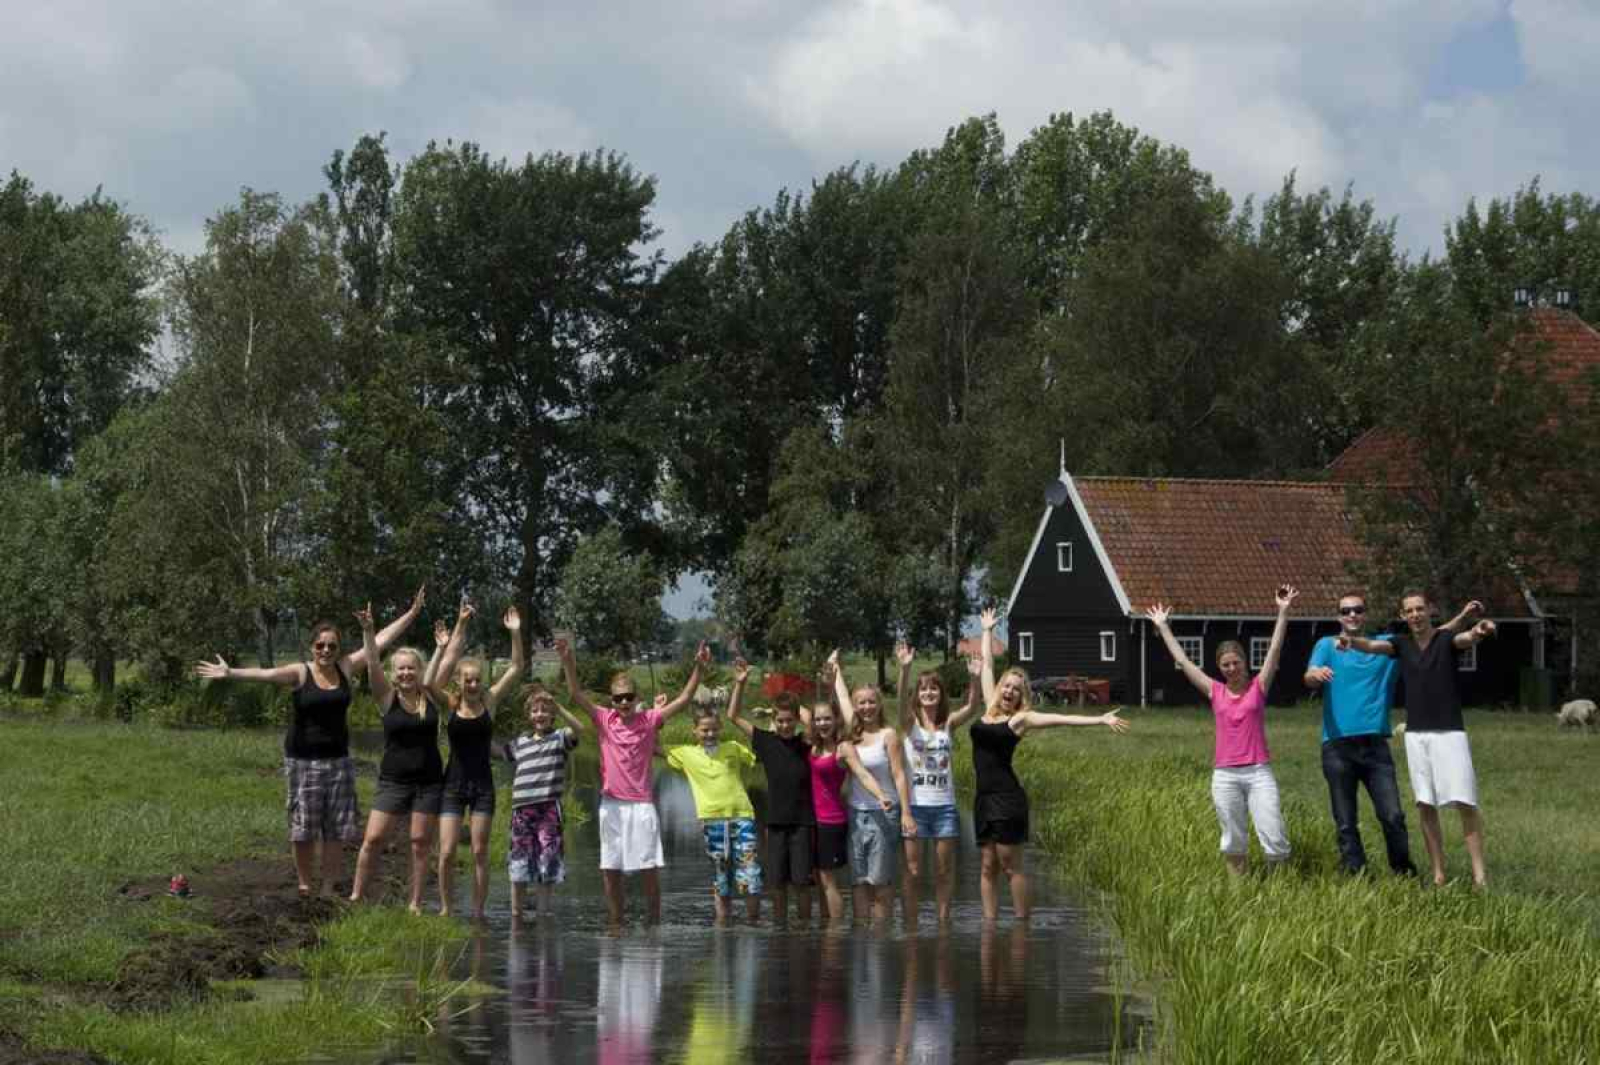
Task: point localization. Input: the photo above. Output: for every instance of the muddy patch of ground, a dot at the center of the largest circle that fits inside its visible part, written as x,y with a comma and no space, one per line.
14,1052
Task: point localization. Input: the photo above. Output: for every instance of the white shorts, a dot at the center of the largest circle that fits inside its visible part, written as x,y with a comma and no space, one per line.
1240,789
1440,764
630,835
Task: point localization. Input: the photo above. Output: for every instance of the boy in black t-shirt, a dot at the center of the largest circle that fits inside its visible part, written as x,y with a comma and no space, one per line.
1437,755
791,821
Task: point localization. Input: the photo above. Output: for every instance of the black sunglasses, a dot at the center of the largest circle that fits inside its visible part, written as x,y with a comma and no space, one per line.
1352,611
623,697
324,646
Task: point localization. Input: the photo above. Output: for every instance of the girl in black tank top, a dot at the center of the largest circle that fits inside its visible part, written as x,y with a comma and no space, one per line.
320,727
469,778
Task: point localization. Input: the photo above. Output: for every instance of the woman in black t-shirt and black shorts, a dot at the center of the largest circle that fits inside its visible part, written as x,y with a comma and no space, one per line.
469,776
321,777
411,775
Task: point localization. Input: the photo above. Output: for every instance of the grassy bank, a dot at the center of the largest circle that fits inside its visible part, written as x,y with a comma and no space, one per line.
1307,965
97,816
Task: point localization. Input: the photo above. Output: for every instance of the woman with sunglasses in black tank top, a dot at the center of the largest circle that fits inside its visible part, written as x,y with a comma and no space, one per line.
321,777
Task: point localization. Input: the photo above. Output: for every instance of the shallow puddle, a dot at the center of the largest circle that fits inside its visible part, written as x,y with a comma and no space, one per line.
568,993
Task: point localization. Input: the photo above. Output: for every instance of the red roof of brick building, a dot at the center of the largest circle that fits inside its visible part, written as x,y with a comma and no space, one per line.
1572,354
1219,548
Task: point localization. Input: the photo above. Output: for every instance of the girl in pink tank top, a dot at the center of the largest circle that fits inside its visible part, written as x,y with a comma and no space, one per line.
828,773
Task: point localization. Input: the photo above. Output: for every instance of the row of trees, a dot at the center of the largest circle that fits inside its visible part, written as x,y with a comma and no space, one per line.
480,373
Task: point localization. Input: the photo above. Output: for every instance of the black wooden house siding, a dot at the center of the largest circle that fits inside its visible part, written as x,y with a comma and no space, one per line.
1067,612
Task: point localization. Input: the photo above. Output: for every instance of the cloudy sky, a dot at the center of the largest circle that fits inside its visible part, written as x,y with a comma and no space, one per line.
172,105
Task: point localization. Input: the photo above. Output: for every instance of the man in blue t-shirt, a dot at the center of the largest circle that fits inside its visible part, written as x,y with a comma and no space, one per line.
1355,740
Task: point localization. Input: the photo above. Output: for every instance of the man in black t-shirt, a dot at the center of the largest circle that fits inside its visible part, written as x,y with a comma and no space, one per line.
1437,756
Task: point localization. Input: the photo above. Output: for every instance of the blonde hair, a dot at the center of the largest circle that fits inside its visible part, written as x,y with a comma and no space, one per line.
457,696
416,656
1027,690
1230,647
856,728
625,679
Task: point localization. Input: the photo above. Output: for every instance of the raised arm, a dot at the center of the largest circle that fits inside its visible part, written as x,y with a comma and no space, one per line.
841,694
897,770
288,676
369,646
519,661
741,674
974,704
906,697
847,751
1478,633
1159,614
573,721
1285,598
989,620
1038,719
391,632
569,670
702,656
441,640
1461,621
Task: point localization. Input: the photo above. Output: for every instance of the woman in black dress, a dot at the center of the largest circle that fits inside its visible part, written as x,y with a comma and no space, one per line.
1000,806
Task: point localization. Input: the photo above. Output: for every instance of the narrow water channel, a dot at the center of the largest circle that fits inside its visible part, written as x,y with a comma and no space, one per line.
566,992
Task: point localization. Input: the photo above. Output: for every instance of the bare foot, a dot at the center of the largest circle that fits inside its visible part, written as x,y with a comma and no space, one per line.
415,909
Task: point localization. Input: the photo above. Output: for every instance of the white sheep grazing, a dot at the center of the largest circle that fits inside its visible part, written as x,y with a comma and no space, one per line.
1579,713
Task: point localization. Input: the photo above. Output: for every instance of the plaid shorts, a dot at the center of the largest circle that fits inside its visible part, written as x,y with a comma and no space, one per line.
731,846
322,799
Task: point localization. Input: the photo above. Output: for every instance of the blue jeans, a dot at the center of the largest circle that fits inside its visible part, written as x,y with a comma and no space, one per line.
1353,760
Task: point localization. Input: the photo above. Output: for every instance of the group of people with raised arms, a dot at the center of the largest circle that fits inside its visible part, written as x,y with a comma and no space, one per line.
845,786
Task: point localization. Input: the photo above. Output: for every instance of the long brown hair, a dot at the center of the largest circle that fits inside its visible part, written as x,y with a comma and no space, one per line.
941,713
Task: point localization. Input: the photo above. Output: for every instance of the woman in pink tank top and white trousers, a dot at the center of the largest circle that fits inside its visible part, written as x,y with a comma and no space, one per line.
1241,780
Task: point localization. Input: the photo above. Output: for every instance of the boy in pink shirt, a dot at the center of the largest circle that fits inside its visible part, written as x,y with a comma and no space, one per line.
630,833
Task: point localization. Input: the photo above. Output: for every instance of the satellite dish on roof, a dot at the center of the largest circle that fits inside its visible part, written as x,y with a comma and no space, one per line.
1056,494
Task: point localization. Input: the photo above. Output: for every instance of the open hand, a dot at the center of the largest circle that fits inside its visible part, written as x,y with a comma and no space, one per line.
217,670
418,599
661,701
904,654
975,665
741,671
1158,613
989,618
441,633
512,619
1323,673
364,616
564,650
1113,722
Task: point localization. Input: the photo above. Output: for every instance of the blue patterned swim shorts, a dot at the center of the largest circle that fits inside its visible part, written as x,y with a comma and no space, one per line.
731,846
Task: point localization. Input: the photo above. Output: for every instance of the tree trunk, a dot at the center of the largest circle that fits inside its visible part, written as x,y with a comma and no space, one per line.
32,682
266,651
58,671
105,671
8,671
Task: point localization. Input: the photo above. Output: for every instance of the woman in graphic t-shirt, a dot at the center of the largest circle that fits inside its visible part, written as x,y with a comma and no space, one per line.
927,729
1241,777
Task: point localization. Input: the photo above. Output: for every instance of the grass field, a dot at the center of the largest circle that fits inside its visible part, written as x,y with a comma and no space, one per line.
1309,965
1301,965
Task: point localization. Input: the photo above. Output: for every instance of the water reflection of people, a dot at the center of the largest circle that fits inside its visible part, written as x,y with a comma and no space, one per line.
534,963
828,1017
929,1000
1001,1024
628,999
724,1003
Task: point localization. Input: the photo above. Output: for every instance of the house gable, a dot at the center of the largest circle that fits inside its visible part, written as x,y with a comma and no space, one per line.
1066,573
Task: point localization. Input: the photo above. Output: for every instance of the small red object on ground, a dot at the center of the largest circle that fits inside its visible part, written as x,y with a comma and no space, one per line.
178,886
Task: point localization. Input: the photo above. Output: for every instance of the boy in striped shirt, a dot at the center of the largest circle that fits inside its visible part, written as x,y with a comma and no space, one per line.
540,757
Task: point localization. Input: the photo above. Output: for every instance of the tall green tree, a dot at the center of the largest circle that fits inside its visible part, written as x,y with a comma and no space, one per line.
1533,239
609,595
78,318
535,276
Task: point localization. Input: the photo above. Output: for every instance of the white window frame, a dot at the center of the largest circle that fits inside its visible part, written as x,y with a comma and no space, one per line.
1105,635
1024,647
1467,659
1263,644
1194,647
1068,559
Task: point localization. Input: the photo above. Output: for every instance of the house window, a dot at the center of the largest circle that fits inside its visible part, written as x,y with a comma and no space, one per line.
1467,659
1108,647
1024,647
1193,647
1258,651
1064,557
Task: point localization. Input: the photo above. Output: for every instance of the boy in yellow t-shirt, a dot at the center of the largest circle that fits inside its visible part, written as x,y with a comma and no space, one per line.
726,816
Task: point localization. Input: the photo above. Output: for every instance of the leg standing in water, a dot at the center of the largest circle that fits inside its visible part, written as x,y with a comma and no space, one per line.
322,806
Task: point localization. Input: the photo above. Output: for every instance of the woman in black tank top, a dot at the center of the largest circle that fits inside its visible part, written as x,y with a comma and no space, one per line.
469,778
411,775
322,795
